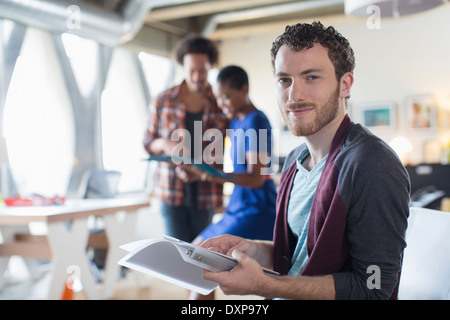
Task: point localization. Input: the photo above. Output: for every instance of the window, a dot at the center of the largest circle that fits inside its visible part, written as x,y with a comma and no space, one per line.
38,121
39,124
158,72
83,58
124,121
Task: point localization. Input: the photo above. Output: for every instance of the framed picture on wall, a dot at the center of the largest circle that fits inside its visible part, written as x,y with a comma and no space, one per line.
443,117
421,113
377,115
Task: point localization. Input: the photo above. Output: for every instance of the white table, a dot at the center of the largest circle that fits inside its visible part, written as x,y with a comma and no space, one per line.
66,246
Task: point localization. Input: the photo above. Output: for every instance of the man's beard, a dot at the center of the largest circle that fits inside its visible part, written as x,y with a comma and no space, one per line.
324,115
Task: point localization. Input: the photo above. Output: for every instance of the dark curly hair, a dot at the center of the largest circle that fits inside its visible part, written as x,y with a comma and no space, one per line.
196,44
233,76
303,36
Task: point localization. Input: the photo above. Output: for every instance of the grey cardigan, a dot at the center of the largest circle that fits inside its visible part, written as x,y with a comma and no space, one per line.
358,217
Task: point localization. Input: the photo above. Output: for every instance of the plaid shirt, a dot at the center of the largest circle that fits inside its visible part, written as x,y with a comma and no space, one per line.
167,114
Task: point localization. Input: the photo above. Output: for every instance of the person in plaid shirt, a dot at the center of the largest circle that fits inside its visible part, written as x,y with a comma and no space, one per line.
187,207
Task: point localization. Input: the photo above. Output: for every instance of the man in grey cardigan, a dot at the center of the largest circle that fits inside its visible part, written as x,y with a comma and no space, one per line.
343,199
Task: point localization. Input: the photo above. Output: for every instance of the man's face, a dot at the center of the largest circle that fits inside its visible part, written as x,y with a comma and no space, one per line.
230,100
307,89
196,67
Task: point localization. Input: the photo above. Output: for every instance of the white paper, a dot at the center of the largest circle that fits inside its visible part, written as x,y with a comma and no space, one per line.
177,262
163,259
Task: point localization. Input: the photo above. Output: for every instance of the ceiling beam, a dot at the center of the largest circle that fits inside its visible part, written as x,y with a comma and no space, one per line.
258,13
205,7
243,31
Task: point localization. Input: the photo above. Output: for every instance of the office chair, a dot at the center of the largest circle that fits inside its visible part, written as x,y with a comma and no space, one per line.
426,262
102,184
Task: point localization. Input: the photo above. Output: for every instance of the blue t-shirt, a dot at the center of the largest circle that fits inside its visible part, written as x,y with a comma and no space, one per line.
251,211
304,189
252,133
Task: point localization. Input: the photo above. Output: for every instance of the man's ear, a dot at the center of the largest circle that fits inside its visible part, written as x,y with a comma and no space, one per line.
346,84
244,89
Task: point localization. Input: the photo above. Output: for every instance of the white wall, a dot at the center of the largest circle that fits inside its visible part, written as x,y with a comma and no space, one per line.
406,56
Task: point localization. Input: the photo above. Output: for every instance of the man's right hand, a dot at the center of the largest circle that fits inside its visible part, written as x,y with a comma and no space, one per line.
261,251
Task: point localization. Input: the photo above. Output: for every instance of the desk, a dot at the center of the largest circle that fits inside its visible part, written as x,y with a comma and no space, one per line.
67,237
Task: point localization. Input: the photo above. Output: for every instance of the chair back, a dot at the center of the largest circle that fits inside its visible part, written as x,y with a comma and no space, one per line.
426,262
102,184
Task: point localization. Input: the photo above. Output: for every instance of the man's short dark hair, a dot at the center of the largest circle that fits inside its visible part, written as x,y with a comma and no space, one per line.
196,44
303,36
233,76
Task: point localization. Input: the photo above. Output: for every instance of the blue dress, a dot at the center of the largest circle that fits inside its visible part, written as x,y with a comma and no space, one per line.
251,211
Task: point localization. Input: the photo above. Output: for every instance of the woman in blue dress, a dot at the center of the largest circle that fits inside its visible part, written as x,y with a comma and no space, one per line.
250,212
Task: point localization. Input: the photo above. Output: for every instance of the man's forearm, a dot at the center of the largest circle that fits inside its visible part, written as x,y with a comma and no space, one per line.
248,278
299,287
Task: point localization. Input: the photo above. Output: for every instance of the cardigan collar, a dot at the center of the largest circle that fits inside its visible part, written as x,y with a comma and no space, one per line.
283,236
